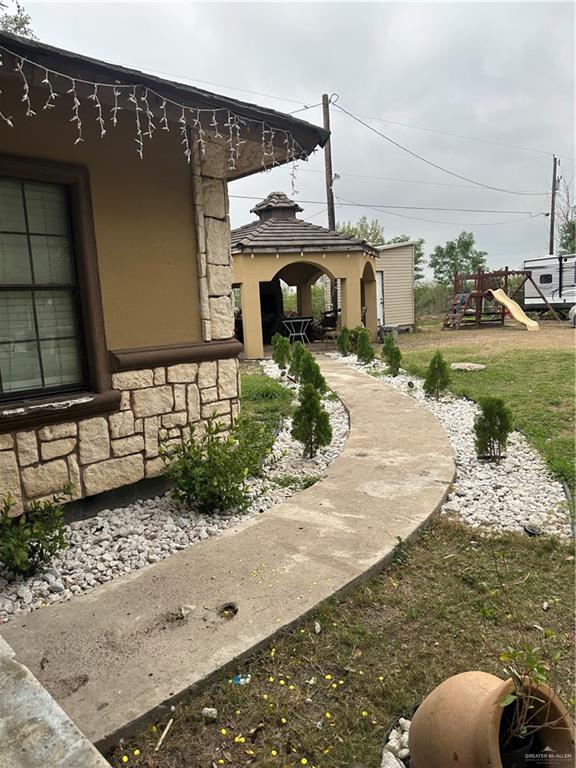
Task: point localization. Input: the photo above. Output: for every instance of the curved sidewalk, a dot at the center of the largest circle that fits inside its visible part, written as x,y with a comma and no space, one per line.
112,656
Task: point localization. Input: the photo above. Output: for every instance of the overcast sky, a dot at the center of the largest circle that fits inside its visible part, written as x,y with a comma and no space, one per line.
498,71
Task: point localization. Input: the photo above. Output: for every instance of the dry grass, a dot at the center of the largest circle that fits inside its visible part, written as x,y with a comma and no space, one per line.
328,698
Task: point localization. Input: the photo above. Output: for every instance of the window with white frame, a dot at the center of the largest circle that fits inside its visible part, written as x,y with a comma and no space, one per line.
40,334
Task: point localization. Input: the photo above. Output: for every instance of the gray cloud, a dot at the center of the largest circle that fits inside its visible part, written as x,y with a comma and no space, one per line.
501,71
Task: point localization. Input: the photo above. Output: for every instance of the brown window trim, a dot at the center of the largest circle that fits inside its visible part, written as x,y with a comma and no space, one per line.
44,409
150,357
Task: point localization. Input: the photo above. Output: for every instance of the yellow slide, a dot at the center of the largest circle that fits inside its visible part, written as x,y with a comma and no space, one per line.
515,310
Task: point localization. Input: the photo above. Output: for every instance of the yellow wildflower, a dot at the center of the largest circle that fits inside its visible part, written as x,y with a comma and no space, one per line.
136,752
328,677
223,731
282,682
303,761
274,753
364,713
328,715
124,758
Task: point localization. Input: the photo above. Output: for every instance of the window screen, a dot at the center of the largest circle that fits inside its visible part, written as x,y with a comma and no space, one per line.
545,279
39,327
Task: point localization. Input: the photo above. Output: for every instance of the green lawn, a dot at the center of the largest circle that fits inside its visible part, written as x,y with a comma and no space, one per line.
262,398
450,602
538,385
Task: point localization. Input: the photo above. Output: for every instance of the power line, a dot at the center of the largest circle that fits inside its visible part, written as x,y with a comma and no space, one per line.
407,207
429,162
439,221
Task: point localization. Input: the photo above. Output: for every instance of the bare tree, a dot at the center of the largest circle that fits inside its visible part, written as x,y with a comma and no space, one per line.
13,18
565,210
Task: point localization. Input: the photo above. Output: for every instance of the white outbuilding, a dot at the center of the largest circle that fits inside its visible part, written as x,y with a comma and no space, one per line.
395,285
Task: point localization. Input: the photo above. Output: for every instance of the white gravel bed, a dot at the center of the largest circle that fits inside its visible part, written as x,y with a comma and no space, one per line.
118,541
505,496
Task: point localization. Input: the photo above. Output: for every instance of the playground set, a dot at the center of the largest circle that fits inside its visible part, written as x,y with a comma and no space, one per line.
481,299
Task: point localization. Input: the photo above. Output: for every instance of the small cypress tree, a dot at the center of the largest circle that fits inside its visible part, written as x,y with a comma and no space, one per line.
311,423
364,349
437,376
310,373
492,427
343,342
354,333
394,360
296,356
280,351
387,347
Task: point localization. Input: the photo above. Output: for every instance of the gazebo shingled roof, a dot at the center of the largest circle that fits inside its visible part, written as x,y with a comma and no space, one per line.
278,229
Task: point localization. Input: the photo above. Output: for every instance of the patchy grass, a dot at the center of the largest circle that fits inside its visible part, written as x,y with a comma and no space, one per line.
264,399
327,699
296,481
537,383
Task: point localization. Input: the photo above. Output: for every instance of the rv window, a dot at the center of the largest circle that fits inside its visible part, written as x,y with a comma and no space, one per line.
545,279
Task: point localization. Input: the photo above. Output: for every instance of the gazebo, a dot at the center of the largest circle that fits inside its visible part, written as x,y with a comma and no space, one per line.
280,247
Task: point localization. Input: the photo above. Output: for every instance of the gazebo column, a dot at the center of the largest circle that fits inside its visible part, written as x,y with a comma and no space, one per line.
252,319
351,302
304,300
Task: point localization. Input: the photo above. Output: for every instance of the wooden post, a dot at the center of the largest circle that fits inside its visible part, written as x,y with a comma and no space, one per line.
479,296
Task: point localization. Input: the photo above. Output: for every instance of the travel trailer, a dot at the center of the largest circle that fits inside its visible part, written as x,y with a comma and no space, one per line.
556,278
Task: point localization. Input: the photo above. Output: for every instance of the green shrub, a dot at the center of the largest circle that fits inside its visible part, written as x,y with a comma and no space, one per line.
31,539
310,373
343,342
394,360
387,347
297,353
209,470
364,349
492,427
437,376
354,333
311,423
280,351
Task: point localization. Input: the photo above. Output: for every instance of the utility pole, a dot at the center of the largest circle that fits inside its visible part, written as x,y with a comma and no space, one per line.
328,164
329,192
555,187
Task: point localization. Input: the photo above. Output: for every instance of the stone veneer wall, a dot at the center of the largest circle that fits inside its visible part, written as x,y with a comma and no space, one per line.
105,452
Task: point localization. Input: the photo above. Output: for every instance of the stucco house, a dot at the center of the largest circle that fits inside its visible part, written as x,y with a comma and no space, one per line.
279,246
116,311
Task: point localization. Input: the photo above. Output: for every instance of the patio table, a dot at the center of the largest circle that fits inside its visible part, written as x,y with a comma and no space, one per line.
297,328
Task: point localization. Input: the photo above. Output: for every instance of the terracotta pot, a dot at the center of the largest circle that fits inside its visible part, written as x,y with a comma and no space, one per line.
458,725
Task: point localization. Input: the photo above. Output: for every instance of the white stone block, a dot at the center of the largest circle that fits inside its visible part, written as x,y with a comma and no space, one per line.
179,397
153,401
217,241
94,440
113,473
193,397
58,431
159,376
228,378
151,426
55,448
222,317
154,467
133,379
209,395
27,448
214,194
179,419
219,280
124,446
121,424
6,442
45,478
10,479
184,373
208,374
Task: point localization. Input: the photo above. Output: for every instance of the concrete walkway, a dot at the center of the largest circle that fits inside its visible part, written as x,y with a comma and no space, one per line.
114,655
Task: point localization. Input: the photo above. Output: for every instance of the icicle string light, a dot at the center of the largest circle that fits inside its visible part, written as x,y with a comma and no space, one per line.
200,119
51,94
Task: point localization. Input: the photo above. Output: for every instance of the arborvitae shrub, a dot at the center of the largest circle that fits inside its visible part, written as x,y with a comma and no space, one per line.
387,347
354,333
280,351
310,373
364,349
492,427
394,360
343,342
297,352
437,376
311,423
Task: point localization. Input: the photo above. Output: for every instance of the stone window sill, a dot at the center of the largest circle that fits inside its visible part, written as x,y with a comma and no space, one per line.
25,414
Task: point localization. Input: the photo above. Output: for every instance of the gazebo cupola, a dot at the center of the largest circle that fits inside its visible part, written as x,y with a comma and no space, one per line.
277,206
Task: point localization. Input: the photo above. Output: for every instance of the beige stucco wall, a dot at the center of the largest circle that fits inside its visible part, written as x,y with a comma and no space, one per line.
397,266
143,216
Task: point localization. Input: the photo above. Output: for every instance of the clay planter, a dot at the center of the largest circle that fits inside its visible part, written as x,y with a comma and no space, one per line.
458,725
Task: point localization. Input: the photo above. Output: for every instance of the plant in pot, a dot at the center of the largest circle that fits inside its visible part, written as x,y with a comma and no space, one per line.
476,719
